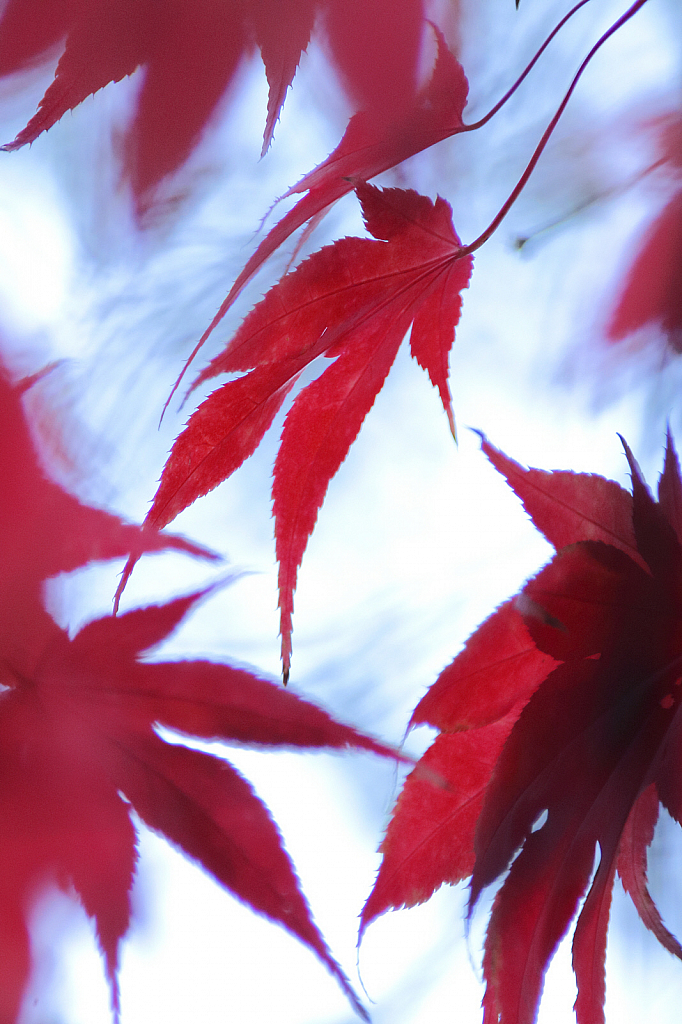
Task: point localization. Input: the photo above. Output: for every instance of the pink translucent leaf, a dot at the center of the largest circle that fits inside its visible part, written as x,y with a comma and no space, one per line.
651,293
30,27
282,40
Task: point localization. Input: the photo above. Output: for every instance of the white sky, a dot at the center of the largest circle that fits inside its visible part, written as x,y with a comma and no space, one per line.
417,541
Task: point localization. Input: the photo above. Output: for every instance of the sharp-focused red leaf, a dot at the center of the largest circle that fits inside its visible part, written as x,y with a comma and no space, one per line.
592,745
318,432
190,53
353,301
430,839
499,668
370,145
569,507
632,863
223,432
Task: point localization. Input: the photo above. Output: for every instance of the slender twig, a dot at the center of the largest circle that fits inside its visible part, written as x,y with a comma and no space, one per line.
521,184
524,74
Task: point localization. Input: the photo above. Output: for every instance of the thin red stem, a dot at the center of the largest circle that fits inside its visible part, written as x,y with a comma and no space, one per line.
510,92
521,184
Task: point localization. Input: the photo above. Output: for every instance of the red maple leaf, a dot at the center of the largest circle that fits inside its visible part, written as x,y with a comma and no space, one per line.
372,143
191,51
79,753
563,706
78,747
353,301
651,293
46,531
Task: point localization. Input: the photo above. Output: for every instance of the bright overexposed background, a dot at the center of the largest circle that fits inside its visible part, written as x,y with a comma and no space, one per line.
417,541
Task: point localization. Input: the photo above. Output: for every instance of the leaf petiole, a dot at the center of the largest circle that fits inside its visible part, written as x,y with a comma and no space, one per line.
523,180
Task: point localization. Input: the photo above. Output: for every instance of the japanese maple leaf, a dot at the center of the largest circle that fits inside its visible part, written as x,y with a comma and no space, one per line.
78,747
46,531
372,143
650,293
353,301
564,706
191,51
79,752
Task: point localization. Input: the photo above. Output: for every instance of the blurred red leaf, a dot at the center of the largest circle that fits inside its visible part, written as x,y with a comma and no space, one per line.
353,301
649,294
47,531
78,747
191,50
79,752
652,292
566,763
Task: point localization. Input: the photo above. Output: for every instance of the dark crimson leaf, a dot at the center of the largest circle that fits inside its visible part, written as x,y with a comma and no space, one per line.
670,488
591,743
584,602
430,839
632,862
569,507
